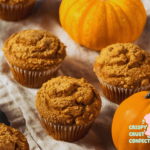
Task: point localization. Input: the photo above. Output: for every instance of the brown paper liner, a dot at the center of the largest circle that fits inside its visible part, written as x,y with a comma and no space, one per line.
16,12
68,133
32,79
117,94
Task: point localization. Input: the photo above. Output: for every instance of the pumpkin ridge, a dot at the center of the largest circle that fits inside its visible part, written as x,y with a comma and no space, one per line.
131,103
141,10
137,27
60,16
67,12
106,23
118,137
81,24
99,27
115,16
137,7
126,18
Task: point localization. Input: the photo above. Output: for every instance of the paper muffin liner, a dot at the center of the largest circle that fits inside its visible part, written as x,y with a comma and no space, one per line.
16,12
32,79
117,94
68,133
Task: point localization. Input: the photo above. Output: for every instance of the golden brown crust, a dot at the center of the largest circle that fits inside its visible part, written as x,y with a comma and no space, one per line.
34,50
123,65
66,100
12,139
14,2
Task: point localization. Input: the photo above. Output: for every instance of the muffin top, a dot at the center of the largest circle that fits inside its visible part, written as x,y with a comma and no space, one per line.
123,65
65,100
34,50
14,2
12,139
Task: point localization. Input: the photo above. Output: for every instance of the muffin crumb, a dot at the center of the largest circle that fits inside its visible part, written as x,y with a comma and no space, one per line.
145,82
123,65
12,139
66,100
34,50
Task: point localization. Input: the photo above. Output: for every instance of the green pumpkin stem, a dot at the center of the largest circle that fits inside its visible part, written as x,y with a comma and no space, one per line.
148,95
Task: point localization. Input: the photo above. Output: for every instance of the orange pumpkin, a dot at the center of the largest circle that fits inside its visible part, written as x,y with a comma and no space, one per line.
99,23
127,131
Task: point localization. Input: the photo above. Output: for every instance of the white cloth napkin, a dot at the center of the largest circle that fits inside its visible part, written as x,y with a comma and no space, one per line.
18,102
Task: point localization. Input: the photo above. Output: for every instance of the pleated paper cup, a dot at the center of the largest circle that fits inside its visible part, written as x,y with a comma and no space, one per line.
32,79
16,12
117,94
68,133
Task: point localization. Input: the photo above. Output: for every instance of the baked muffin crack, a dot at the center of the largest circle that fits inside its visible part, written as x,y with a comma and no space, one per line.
123,65
73,101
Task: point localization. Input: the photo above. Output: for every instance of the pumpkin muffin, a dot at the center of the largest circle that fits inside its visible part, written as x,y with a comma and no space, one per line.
15,10
67,107
34,56
12,139
123,69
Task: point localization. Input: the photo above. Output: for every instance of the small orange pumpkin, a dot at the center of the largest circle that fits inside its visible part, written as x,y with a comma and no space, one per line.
128,132
99,23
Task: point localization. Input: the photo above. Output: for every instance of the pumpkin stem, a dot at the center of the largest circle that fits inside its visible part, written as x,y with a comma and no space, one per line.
148,95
